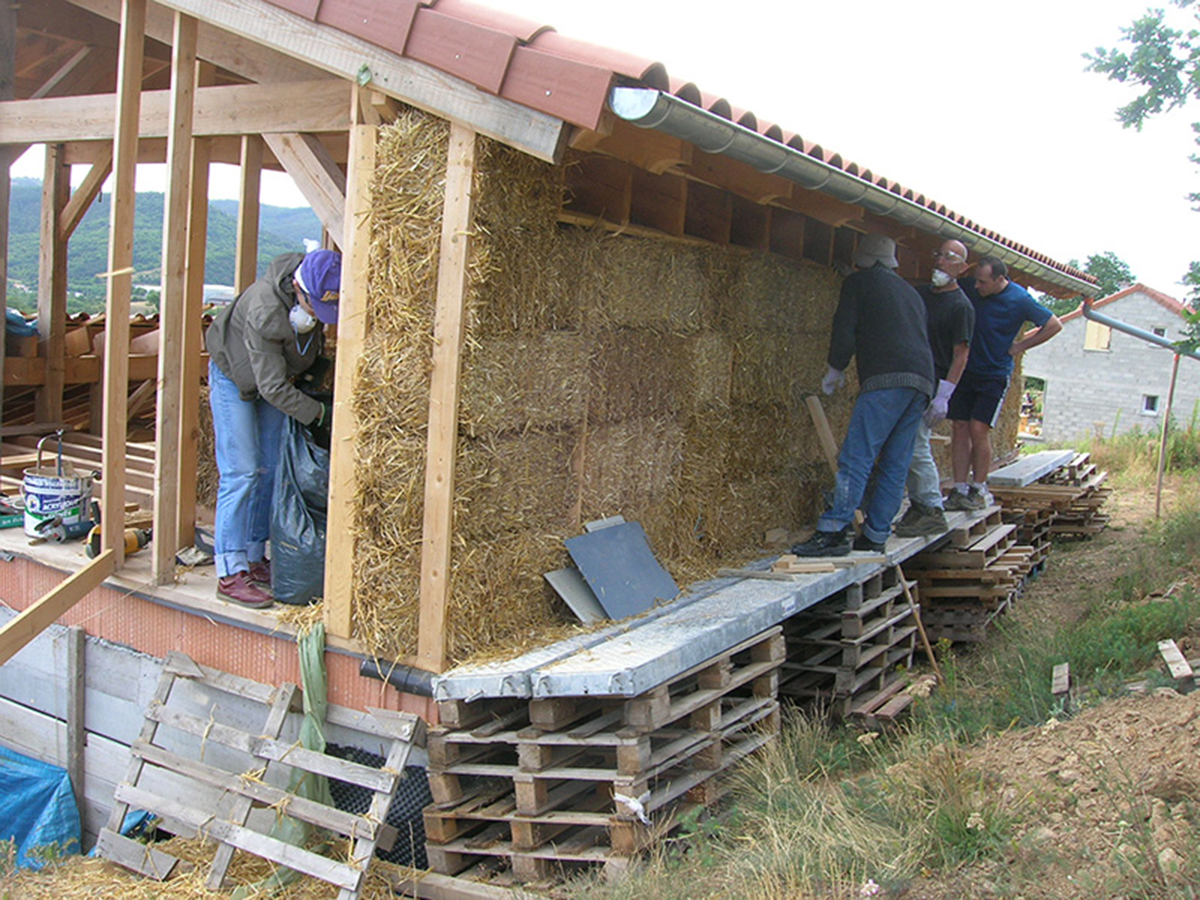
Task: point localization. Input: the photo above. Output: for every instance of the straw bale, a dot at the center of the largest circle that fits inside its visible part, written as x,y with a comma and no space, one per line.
776,367
207,476
641,283
534,381
767,438
772,293
627,466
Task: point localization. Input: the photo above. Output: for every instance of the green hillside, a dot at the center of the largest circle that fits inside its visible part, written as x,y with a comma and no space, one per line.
281,230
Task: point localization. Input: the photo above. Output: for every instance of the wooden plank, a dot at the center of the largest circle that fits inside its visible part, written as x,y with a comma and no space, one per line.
135,856
1060,681
76,730
33,620
433,886
120,270
826,439
1178,666
533,132
246,253
339,874
190,361
172,305
8,155
52,287
448,338
85,195
312,107
316,175
352,333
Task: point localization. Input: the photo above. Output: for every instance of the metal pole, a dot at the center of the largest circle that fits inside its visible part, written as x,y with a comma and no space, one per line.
1162,440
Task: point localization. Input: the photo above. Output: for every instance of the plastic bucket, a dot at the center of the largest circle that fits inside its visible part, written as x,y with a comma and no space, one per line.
49,495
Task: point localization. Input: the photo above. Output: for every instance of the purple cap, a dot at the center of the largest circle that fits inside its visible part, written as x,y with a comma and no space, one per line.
320,276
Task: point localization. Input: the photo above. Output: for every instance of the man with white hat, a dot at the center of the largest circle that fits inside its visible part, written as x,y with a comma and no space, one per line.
881,322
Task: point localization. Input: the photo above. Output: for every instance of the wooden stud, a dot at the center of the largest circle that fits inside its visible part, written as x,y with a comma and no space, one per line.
52,287
172,307
189,408
35,619
120,270
352,334
76,730
246,254
316,175
448,339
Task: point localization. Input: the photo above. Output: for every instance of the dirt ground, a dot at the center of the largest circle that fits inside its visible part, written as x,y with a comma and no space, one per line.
1110,798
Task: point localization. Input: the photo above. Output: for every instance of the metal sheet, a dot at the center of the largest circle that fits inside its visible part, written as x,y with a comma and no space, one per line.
621,570
1029,469
569,584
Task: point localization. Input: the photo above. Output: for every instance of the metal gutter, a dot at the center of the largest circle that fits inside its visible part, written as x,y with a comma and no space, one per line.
658,111
1148,336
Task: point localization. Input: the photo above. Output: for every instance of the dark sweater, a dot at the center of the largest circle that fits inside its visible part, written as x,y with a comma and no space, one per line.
880,321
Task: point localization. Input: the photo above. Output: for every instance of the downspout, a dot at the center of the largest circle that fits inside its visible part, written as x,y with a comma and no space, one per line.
1148,336
406,679
653,109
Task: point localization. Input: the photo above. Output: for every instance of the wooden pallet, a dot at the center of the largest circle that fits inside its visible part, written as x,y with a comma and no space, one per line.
545,784
249,788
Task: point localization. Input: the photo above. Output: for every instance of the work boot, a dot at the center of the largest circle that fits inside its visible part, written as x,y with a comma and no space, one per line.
260,572
862,542
922,521
825,543
971,501
240,589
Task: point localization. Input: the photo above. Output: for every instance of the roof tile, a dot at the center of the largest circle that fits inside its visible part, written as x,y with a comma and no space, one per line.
653,74
306,8
524,30
472,52
385,23
574,92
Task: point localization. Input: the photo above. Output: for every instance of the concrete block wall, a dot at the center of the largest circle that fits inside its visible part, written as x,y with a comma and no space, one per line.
1099,390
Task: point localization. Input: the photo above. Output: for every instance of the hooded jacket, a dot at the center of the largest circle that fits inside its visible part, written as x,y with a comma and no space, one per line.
252,342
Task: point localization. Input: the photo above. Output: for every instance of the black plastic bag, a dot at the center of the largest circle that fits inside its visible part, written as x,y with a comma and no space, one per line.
298,517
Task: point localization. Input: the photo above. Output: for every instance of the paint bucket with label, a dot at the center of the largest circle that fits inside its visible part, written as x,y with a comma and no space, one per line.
54,492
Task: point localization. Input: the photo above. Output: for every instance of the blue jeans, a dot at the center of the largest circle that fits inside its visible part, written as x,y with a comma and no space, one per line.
882,428
924,482
246,434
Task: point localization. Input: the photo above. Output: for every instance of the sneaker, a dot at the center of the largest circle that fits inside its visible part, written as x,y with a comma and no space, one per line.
824,543
260,572
922,521
240,589
862,542
971,501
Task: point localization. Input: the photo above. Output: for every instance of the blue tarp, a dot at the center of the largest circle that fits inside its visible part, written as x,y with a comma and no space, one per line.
15,323
37,808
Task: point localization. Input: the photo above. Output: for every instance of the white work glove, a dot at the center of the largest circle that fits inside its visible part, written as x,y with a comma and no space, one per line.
833,380
940,404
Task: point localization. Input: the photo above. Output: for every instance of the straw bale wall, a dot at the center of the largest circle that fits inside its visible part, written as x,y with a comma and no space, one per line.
603,374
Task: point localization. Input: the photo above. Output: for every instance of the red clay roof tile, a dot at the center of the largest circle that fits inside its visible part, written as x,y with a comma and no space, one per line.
524,30
572,91
306,8
385,23
472,52
635,68
1158,297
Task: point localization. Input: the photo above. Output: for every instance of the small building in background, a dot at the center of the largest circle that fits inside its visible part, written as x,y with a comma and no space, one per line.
1099,381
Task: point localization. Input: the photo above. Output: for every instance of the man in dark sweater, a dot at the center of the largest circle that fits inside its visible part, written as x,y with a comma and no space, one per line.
881,322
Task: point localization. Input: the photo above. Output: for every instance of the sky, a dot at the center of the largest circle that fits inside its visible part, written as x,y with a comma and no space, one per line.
986,108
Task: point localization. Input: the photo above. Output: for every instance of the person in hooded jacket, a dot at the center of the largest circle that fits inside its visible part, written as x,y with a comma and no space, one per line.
257,346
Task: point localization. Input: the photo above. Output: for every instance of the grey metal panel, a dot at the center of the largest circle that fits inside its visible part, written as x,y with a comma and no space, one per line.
1029,469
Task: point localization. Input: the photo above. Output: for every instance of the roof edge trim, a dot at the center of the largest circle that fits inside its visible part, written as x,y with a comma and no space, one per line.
658,111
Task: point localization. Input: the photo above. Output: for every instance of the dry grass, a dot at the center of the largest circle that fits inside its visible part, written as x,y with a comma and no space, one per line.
602,374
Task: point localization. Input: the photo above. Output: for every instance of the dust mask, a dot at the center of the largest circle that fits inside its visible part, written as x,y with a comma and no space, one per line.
301,320
939,278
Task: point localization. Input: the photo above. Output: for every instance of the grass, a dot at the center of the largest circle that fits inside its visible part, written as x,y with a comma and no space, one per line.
829,812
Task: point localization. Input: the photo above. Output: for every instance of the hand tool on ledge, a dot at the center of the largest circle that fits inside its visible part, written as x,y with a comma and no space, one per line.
135,538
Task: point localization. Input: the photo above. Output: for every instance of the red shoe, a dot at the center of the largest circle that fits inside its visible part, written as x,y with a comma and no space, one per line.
260,572
240,589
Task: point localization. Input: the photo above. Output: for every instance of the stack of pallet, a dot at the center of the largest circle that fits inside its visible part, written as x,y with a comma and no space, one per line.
845,654
532,789
1067,499
965,586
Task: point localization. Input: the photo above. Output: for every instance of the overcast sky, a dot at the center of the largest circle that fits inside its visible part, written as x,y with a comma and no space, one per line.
984,107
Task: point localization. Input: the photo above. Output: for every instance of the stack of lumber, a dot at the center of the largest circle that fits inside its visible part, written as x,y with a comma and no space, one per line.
845,654
966,585
1069,495
542,787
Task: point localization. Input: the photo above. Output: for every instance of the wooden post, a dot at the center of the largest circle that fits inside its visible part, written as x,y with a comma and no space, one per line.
8,155
352,333
448,334
172,305
76,729
1162,439
189,410
120,270
52,285
246,262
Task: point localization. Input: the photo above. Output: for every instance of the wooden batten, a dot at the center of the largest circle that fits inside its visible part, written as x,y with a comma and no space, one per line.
246,262
352,333
52,286
173,302
120,270
448,337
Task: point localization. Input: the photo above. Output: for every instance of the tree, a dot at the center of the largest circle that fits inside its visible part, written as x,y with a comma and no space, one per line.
1112,272
1165,63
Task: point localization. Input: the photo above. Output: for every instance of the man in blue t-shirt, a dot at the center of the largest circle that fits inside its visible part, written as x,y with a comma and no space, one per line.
1001,308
